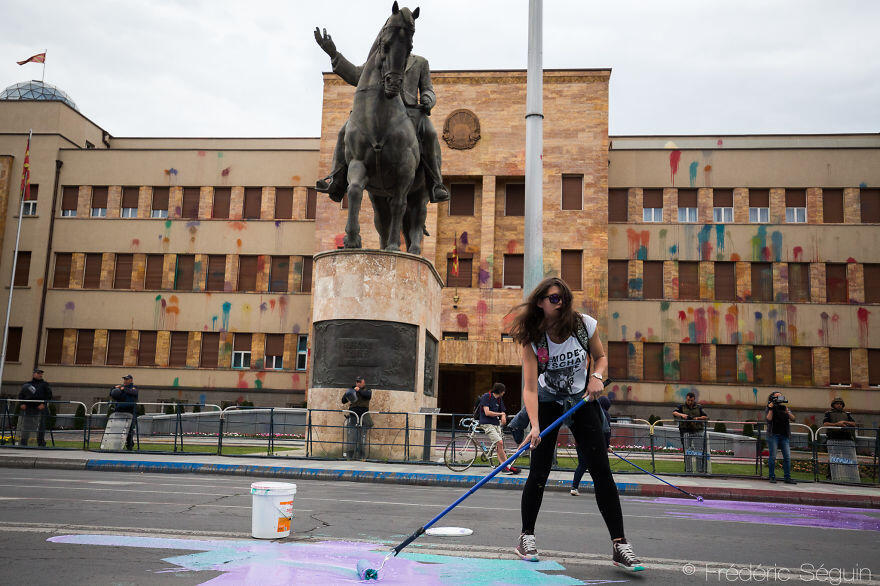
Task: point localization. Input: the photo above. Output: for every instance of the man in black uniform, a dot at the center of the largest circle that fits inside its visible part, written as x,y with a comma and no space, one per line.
837,417
358,400
33,415
126,396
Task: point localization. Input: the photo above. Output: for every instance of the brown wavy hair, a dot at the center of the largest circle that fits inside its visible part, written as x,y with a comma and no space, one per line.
527,327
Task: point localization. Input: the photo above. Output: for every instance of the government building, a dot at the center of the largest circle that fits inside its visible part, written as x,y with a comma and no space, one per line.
730,266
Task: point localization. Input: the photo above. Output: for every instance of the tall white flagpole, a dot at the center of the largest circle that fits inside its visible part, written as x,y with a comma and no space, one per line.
44,65
533,259
12,276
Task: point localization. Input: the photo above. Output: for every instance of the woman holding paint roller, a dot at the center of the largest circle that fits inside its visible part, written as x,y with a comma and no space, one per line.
555,363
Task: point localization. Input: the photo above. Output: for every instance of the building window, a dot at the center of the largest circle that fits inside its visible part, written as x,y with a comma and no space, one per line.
572,268
572,192
92,271
725,281
179,349
85,346
61,278
869,200
253,197
839,366
306,281
759,206
115,348
210,350
515,199
302,352
190,206
247,273
618,360
653,361
872,282
220,206
762,281
30,205
801,366
795,206
278,274
687,205
688,280
465,271
461,199
652,205
13,344
455,336
129,202
689,362
874,367
274,352
22,269
99,202
153,273
832,206
241,351
725,363
799,282
147,349
69,197
618,279
652,279
122,275
513,270
160,203
835,283
618,205
184,273
722,200
216,272
54,346
311,203
765,365
284,203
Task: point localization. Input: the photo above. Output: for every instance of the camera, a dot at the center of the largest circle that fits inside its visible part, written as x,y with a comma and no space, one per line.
779,400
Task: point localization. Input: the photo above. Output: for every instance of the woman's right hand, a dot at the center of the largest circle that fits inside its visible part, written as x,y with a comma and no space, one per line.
533,438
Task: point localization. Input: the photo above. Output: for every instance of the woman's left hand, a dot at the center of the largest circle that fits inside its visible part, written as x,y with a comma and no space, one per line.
595,388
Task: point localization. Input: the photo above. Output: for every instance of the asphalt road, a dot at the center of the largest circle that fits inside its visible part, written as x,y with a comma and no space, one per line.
80,527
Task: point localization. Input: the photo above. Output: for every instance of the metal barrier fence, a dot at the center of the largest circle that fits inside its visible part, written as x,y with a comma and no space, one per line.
717,448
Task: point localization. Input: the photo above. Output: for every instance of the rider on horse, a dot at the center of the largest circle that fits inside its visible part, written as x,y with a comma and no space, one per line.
418,96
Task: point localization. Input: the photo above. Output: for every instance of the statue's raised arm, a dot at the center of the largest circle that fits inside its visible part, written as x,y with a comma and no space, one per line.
342,67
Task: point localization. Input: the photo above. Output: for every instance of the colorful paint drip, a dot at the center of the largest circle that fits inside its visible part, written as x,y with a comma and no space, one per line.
326,562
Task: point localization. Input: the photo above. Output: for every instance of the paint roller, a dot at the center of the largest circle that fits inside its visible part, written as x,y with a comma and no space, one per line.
366,571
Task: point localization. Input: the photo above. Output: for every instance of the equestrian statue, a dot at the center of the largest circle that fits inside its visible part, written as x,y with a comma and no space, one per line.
388,145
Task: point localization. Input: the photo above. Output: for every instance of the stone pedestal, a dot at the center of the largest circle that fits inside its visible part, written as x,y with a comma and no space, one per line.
375,314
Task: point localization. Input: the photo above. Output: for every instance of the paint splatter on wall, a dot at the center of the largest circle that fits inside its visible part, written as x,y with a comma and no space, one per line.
674,158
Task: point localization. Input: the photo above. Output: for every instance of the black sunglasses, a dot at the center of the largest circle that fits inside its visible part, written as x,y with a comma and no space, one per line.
554,298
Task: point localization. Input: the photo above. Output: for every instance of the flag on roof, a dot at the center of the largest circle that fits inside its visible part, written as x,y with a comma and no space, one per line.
38,58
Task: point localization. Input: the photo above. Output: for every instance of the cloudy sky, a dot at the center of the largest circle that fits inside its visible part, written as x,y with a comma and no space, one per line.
236,68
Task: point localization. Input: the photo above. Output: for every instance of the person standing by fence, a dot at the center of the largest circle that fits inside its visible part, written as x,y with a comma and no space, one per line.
357,422
692,432
126,397
33,415
779,418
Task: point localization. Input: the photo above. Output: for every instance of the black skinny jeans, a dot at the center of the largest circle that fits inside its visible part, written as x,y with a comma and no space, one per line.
586,426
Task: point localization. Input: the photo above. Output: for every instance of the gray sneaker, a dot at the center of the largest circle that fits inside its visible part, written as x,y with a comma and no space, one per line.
624,557
526,548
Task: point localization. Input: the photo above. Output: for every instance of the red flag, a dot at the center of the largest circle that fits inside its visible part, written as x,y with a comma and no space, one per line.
455,256
26,172
38,58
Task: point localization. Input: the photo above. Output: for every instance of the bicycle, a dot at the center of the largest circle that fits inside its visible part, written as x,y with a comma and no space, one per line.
461,452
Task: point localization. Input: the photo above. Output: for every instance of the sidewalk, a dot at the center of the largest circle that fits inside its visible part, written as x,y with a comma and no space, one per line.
810,493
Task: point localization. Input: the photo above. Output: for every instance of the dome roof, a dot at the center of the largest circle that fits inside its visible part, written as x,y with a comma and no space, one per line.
36,90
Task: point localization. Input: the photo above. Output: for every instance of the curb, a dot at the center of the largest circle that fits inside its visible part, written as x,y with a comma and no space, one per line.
430,479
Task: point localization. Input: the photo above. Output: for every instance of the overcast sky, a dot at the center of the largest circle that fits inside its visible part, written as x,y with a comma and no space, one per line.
224,68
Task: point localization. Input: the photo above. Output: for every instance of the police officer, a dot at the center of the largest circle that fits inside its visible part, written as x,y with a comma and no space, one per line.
33,415
837,417
126,396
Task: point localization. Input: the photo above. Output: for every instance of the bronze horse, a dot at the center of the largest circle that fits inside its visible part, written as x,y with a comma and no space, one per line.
381,146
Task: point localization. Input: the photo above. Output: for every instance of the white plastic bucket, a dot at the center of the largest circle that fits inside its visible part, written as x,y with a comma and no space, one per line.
272,509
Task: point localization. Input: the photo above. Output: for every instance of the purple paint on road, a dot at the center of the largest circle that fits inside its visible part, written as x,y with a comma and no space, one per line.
776,513
329,562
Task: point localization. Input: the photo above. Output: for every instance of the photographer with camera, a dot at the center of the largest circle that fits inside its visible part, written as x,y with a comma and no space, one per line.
779,418
358,421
